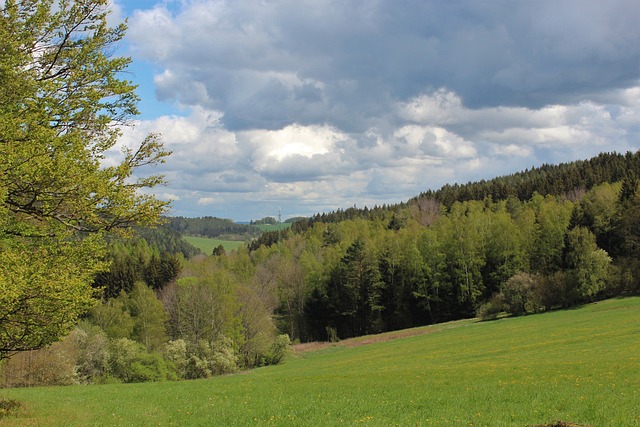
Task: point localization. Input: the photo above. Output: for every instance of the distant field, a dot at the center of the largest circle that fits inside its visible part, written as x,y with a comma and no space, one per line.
274,227
580,366
206,244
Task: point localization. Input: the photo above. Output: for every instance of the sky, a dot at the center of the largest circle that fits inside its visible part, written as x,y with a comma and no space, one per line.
314,105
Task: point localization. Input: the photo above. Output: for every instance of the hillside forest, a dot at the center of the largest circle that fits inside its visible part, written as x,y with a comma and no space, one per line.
547,238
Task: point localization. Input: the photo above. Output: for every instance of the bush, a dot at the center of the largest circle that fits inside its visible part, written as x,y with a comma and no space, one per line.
492,308
555,291
130,362
9,407
175,352
278,349
519,294
92,359
204,361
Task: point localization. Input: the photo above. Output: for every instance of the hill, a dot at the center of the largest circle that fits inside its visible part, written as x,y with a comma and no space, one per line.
577,366
565,179
212,227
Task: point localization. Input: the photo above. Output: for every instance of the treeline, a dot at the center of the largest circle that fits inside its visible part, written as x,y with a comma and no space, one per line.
153,256
268,220
212,227
558,180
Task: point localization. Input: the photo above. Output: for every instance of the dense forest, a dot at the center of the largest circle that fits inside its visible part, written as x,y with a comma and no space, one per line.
213,227
458,252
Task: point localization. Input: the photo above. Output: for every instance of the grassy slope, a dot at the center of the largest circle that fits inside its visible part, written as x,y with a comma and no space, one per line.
578,365
206,244
274,227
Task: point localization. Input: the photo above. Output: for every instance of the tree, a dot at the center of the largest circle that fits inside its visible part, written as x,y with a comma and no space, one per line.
148,315
62,102
355,291
589,265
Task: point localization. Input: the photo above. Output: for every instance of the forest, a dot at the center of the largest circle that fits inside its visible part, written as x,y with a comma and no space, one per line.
167,312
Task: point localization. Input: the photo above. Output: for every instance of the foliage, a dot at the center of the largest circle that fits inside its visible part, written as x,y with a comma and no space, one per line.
518,294
269,220
9,407
491,309
92,362
61,101
135,260
131,363
589,265
278,349
148,316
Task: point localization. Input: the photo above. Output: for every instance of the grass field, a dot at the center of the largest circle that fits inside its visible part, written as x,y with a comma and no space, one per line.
580,366
206,244
274,227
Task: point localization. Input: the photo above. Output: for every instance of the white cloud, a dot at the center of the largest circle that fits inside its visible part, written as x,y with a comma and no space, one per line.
206,201
329,104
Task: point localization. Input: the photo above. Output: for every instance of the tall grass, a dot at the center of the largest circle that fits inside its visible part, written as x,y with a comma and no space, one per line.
580,366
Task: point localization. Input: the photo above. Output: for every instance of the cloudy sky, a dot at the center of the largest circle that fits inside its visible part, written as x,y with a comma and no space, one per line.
314,105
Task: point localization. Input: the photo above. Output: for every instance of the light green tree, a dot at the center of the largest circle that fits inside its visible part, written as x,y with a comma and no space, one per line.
589,264
148,316
62,101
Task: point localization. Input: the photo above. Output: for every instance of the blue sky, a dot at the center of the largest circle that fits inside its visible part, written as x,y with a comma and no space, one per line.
319,105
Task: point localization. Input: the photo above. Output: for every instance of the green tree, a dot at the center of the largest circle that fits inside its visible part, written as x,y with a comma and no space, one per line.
465,234
589,265
552,220
355,291
113,317
62,99
148,317
518,294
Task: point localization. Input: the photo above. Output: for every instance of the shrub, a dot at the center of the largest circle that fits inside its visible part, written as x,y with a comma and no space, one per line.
554,291
92,359
519,295
150,367
224,359
278,349
176,353
9,407
130,362
492,308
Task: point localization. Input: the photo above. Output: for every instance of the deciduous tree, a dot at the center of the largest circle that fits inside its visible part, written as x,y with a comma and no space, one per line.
62,101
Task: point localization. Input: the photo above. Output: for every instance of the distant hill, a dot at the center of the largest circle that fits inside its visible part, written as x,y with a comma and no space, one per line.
212,227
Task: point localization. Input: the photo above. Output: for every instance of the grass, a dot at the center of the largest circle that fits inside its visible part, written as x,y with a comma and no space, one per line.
577,366
274,227
206,245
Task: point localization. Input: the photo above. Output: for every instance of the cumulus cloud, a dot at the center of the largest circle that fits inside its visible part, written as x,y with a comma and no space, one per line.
328,103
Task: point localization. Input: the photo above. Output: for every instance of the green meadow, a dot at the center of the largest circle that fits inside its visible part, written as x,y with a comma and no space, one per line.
274,227
580,366
206,244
